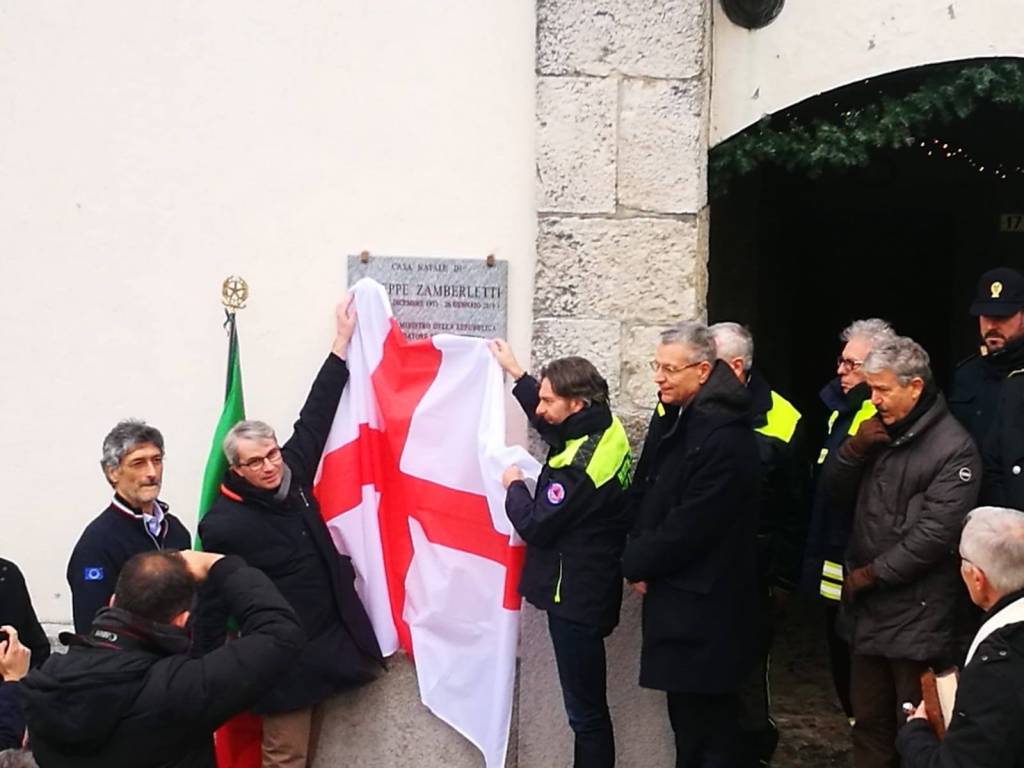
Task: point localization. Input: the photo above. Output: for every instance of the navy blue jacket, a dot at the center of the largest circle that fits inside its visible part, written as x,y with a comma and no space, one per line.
574,531
104,547
831,523
977,384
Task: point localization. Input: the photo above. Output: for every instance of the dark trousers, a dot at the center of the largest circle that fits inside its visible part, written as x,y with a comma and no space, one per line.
878,687
579,654
707,735
838,657
758,731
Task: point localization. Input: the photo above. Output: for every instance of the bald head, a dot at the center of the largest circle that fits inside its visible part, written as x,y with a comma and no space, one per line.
155,586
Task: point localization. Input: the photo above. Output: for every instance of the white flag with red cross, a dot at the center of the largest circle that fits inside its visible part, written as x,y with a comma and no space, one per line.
410,487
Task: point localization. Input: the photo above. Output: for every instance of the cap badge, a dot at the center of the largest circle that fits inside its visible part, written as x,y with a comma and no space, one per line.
997,288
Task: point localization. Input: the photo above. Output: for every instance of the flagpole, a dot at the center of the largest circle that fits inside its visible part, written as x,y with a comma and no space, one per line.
234,293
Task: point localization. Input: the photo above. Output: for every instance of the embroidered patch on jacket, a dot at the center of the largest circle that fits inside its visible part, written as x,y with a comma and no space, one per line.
92,573
556,493
965,474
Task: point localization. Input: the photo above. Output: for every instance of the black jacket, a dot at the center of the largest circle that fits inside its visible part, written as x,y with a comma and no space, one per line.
288,540
575,531
830,523
782,522
911,501
985,731
104,547
1003,451
694,498
12,720
128,693
977,384
16,610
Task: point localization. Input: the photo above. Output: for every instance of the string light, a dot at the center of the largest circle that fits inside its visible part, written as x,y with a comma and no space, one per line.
959,153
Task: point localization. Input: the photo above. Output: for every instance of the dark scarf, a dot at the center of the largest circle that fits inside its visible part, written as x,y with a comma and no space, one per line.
929,395
118,629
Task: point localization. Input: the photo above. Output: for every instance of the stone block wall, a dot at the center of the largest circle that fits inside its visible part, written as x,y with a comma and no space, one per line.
622,129
622,139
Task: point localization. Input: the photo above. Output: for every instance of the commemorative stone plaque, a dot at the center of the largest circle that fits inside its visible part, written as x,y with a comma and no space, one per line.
429,296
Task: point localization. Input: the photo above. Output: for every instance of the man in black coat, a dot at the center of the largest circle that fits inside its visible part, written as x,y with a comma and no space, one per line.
780,527
692,552
912,472
979,379
267,514
574,526
128,693
135,521
985,730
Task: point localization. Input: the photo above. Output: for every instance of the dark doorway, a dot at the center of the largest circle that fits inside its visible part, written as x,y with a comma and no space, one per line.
905,238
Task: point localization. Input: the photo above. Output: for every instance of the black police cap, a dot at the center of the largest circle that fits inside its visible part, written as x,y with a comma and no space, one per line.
1000,293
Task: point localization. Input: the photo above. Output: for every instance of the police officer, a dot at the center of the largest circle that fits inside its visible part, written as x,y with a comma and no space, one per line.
780,524
978,380
575,528
848,398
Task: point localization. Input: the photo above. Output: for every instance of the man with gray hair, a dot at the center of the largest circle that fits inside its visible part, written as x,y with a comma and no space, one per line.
989,709
135,521
692,552
848,398
912,473
779,529
267,514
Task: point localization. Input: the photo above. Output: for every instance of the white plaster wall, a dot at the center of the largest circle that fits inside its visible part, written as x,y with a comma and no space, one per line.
817,45
148,149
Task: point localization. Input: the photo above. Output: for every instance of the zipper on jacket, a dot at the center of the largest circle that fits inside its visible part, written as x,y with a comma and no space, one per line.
303,495
558,584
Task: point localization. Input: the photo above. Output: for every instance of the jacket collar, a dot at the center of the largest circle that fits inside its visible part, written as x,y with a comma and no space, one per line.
1004,601
118,504
835,399
923,422
592,420
760,395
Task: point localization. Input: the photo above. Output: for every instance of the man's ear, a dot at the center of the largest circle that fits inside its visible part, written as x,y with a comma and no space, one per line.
181,619
917,384
111,475
704,371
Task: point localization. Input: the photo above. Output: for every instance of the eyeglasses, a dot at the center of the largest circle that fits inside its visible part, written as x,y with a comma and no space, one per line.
256,462
847,364
671,370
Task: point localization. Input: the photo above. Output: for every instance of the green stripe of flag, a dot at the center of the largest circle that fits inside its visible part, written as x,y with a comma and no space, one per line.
232,413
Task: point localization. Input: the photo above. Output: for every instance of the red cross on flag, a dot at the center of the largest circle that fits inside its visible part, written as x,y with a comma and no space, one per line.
410,487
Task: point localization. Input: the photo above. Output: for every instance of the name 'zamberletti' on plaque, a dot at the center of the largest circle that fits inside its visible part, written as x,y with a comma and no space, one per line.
430,296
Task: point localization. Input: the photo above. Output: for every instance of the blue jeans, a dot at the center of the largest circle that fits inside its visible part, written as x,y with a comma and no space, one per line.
579,654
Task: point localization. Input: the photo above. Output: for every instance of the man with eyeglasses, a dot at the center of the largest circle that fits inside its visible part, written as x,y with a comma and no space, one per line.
989,708
267,514
135,521
692,552
848,398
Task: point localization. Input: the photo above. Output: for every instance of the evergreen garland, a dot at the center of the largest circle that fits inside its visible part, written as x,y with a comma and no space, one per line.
893,122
